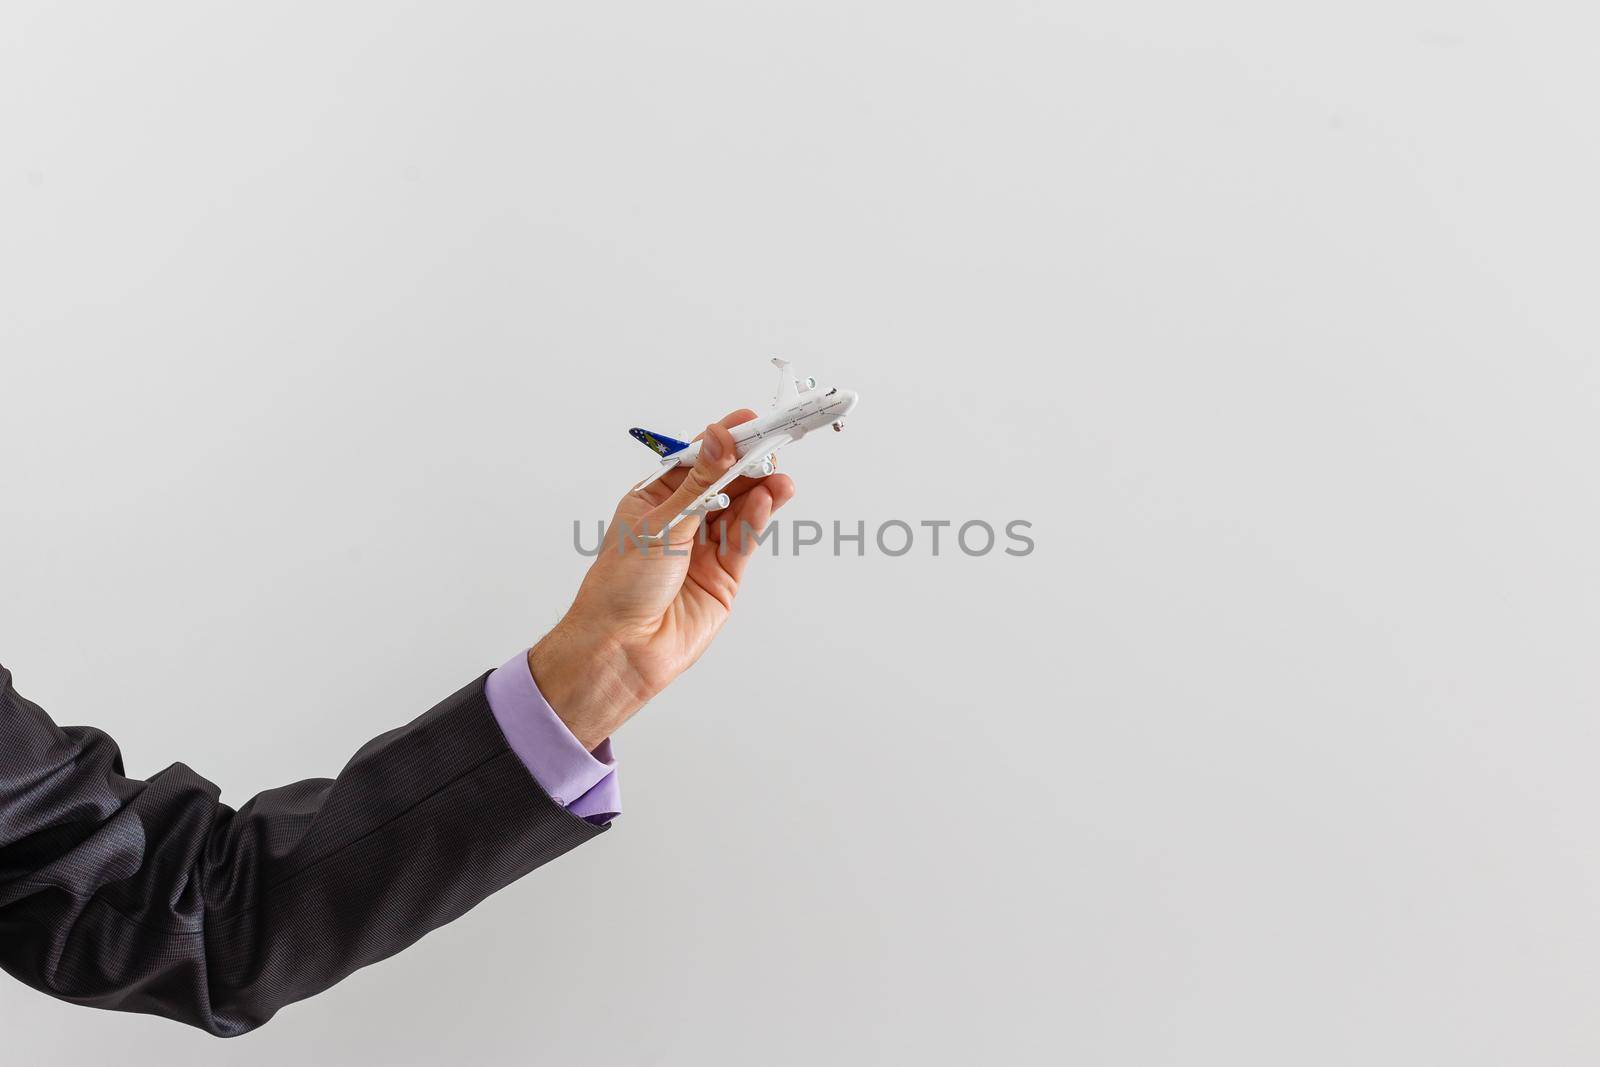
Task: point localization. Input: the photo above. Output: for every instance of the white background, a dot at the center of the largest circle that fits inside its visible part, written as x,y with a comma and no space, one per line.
320,323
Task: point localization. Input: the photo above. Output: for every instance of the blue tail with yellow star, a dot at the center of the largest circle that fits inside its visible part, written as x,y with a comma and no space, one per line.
659,443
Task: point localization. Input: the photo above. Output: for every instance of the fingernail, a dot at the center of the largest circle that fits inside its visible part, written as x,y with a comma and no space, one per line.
713,446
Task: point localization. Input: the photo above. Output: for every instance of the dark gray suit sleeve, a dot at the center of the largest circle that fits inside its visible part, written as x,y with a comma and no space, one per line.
152,896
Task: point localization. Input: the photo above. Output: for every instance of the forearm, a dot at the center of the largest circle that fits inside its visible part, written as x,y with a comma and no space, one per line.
154,897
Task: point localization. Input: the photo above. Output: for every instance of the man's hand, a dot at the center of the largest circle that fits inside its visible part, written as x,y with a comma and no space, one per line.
645,613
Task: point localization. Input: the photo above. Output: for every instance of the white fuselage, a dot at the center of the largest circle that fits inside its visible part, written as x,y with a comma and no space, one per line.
812,411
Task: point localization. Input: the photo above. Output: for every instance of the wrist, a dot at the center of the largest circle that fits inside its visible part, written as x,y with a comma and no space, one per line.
585,677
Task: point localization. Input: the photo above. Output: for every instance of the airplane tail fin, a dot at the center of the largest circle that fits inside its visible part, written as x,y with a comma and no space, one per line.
659,443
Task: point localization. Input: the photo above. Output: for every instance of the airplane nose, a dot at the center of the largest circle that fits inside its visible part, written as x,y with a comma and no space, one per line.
850,397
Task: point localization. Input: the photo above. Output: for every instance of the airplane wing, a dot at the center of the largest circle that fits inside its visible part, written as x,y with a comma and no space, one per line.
788,388
710,501
652,478
750,463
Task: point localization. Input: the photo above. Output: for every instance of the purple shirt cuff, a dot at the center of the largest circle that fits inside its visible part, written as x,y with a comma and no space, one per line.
584,783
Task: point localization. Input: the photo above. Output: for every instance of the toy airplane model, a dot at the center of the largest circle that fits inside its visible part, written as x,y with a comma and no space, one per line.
796,411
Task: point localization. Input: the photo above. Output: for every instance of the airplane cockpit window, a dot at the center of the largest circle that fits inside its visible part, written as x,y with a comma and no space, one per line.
830,392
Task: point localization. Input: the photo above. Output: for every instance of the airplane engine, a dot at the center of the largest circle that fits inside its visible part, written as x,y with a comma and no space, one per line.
769,465
810,383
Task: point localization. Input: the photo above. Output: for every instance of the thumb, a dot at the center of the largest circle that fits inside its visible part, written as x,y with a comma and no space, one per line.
716,456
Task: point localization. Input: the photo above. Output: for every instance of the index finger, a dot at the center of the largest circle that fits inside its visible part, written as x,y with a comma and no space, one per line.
730,420
739,485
